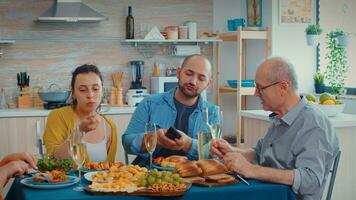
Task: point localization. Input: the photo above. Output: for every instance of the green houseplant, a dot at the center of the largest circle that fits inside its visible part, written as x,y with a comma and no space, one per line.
342,37
337,63
312,31
319,82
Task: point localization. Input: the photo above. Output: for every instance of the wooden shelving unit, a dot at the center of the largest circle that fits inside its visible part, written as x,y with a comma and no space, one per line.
240,37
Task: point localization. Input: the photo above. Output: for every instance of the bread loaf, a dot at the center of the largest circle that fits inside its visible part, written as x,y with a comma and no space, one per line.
220,178
211,167
188,169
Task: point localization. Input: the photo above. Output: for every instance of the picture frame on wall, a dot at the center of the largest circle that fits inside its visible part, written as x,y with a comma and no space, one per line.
254,13
295,11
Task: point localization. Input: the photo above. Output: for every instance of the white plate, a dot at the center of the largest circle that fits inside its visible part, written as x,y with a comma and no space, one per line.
29,183
88,176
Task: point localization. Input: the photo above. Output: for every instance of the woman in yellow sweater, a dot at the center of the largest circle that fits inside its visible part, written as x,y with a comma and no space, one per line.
100,132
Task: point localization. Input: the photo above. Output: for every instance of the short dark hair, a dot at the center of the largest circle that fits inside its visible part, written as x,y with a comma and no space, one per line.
84,69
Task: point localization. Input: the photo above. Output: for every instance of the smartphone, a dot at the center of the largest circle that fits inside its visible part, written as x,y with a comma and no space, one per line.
172,133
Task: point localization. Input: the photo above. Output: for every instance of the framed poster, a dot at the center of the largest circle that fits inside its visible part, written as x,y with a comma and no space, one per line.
295,11
254,12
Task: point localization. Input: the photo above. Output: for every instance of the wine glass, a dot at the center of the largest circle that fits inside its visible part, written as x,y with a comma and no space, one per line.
77,150
217,127
150,139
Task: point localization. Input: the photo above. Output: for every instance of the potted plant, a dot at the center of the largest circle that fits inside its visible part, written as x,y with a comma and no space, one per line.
319,82
312,33
342,37
337,63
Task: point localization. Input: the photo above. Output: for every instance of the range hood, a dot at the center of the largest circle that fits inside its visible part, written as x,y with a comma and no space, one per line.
70,11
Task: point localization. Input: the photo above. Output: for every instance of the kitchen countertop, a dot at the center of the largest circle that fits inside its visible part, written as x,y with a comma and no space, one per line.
36,112
340,121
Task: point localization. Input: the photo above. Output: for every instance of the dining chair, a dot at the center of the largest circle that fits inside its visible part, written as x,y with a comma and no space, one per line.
333,171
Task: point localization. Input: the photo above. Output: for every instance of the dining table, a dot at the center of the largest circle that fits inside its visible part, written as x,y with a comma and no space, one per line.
239,191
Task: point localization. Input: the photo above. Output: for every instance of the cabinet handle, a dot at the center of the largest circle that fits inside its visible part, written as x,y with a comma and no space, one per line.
39,138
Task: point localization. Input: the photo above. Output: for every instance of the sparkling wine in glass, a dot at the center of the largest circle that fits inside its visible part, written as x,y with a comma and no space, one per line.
217,127
77,150
150,139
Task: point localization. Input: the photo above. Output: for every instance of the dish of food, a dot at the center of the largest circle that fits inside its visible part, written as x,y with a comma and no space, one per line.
51,163
71,180
163,168
169,163
151,183
100,166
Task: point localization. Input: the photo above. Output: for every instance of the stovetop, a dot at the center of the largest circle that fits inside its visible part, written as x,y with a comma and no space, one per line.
54,105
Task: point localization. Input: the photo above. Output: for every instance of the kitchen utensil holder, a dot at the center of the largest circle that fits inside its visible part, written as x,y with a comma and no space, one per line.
24,98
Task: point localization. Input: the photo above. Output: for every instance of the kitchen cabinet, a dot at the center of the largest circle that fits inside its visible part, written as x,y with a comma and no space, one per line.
20,134
148,48
240,37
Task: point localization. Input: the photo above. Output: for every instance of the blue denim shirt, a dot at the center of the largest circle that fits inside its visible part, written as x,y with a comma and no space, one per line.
160,109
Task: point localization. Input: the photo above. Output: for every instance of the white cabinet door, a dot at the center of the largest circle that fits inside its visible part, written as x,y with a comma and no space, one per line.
19,134
121,121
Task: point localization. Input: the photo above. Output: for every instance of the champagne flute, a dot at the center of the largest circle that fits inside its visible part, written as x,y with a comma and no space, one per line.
77,150
150,139
217,127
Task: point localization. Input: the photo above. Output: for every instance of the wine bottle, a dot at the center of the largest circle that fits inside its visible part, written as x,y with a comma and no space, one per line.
130,25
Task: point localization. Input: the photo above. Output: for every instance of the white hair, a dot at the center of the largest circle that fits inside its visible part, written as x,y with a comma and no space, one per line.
282,69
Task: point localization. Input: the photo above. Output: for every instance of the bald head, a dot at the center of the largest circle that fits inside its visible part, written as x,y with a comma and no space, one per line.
198,57
279,69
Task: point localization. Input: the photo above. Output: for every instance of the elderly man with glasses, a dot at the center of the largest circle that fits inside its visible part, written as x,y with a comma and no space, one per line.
299,146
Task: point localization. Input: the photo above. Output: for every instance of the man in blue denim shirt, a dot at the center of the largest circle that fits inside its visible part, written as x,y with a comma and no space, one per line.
180,107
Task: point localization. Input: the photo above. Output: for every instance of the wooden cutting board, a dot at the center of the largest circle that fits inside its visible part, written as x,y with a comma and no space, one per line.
142,192
215,184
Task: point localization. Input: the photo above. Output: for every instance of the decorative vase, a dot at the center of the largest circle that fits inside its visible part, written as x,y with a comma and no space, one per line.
319,88
343,40
312,40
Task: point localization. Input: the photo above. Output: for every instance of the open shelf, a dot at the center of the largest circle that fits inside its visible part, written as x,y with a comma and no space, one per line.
7,41
243,90
234,35
205,41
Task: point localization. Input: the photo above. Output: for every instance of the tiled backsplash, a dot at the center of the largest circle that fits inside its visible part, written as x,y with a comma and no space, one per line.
51,51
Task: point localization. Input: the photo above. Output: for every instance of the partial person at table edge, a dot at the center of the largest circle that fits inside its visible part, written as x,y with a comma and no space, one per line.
100,131
180,107
15,164
300,145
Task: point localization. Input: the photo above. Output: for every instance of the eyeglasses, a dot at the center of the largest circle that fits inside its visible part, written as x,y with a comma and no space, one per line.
260,89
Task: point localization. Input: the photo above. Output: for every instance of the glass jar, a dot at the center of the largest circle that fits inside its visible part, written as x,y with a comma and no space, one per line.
172,32
183,32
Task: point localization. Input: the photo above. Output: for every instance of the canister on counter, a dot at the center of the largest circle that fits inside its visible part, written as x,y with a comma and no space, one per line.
192,29
183,32
172,32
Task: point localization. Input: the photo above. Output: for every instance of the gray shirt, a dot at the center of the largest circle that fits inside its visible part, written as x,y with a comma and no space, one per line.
304,141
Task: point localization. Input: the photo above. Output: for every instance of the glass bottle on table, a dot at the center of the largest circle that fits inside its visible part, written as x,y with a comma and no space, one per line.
150,139
77,150
204,136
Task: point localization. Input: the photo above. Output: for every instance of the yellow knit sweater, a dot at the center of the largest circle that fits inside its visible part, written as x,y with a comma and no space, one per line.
61,121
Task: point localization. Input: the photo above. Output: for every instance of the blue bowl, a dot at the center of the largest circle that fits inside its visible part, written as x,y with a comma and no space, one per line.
245,83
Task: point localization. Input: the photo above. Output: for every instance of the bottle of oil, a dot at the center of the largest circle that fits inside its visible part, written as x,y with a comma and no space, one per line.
130,25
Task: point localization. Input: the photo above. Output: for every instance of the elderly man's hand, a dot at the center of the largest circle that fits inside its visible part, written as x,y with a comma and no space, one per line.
183,143
238,163
89,123
23,156
221,147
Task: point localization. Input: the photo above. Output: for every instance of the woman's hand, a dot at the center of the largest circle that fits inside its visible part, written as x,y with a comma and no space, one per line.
14,168
89,123
23,156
